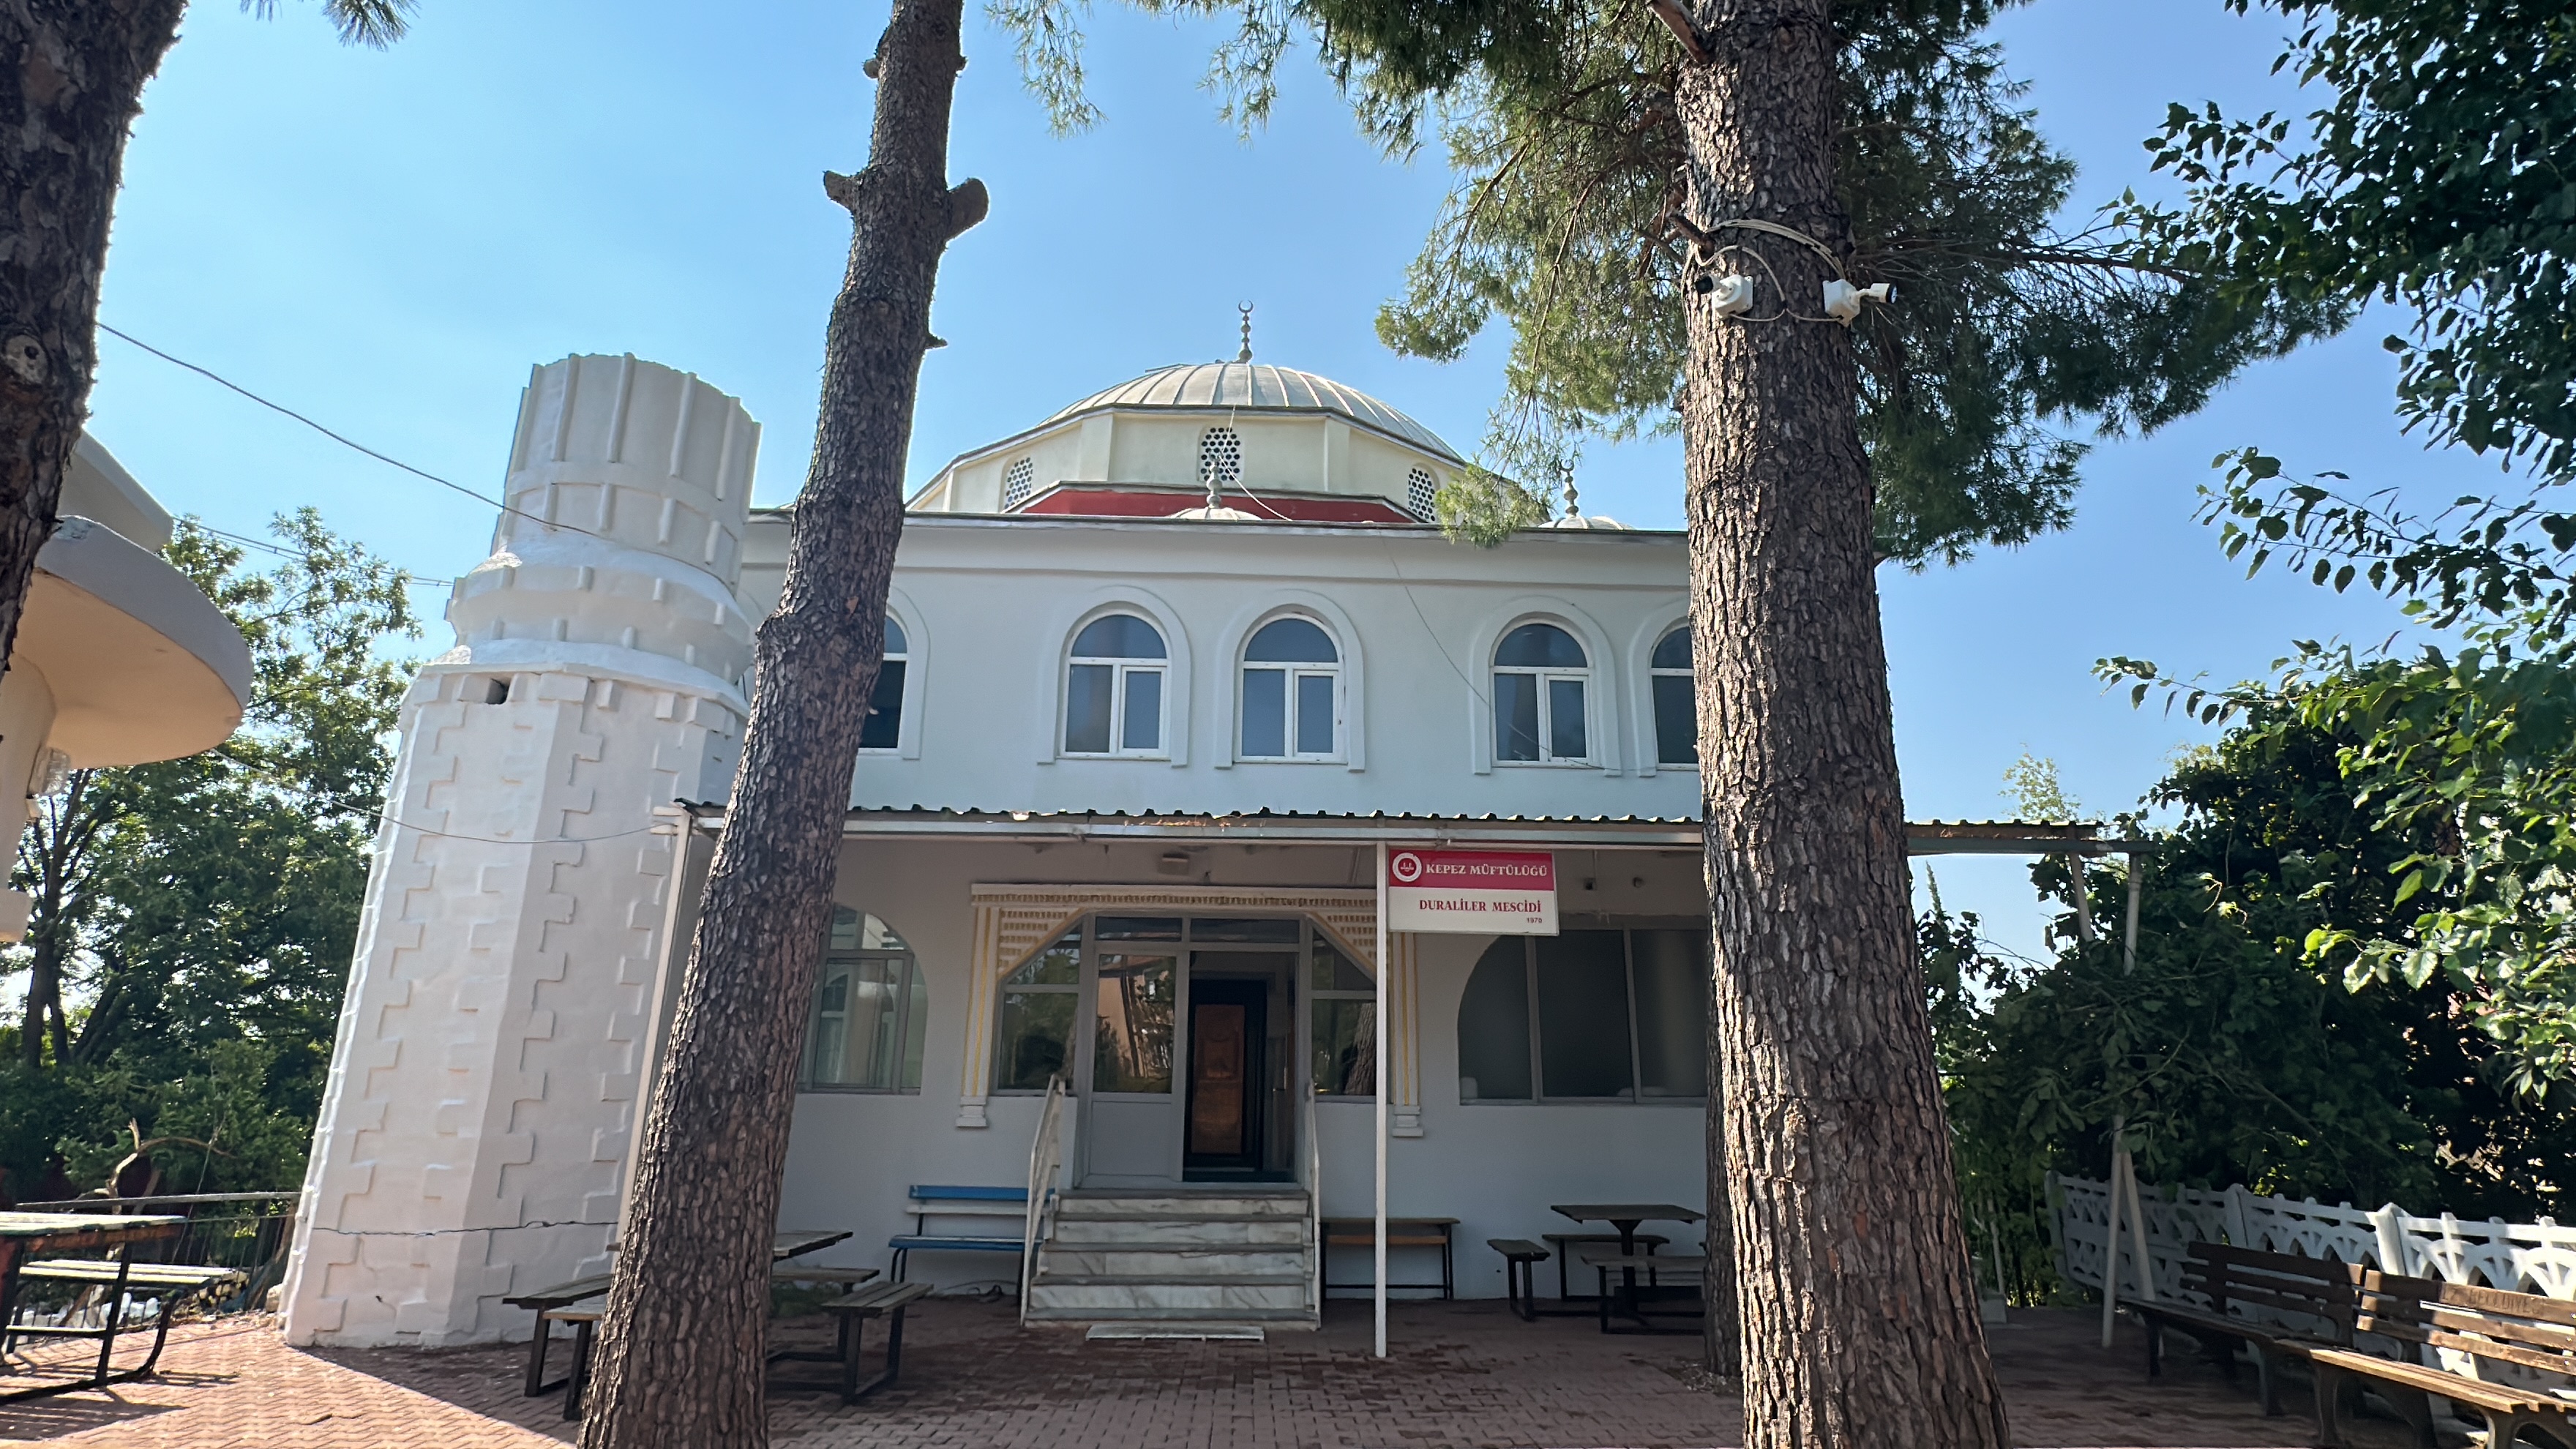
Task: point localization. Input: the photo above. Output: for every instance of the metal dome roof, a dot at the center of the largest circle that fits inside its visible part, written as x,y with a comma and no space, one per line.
1258,385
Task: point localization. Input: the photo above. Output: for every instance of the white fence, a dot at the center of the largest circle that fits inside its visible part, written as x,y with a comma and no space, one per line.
2524,1257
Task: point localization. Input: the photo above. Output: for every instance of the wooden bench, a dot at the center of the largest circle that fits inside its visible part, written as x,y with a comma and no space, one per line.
1628,1296
2320,1291
179,1283
930,1202
1521,1258
585,1329
1400,1233
850,1314
544,1301
1567,1244
2519,1331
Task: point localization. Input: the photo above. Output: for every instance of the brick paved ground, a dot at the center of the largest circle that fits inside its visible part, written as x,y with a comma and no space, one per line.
1463,1374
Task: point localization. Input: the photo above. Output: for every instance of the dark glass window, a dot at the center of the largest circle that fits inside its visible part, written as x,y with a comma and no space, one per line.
1597,1015
1676,706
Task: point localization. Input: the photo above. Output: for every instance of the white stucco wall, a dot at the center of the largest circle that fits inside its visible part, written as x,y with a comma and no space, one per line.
1416,615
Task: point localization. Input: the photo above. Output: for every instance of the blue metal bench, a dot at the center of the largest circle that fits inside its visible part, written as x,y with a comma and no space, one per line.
928,1202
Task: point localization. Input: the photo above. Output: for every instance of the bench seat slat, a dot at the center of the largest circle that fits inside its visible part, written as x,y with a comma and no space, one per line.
138,1275
878,1298
2500,1397
2557,1363
922,1193
920,1241
561,1293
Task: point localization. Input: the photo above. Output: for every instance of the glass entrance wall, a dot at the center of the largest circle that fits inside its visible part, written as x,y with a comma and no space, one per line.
1108,1006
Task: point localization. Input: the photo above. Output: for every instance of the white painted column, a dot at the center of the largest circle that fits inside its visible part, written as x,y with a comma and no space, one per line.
1379,1134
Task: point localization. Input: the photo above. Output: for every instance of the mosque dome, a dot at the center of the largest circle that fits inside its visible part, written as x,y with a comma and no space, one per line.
1258,387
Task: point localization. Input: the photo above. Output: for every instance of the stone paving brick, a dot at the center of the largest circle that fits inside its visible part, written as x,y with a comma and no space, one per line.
1464,1374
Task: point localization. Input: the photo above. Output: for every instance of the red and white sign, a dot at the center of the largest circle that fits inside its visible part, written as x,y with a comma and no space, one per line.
1475,892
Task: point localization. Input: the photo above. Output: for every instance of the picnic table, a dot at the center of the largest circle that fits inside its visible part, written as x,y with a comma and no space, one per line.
1626,1217
24,1235
546,1301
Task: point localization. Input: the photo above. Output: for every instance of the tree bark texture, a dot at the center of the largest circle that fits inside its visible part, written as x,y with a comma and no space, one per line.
681,1351
1859,1315
1722,1331
71,83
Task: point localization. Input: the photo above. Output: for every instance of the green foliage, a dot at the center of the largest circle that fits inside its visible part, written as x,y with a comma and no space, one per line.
2032,785
2233,1053
1484,509
2469,752
376,23
199,914
1558,117
2439,174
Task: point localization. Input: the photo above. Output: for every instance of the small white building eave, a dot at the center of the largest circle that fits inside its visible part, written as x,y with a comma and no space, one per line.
142,666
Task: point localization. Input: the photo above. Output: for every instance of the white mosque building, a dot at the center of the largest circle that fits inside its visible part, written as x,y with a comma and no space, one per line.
1162,671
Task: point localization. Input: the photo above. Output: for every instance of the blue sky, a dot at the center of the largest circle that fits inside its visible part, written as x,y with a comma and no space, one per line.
388,240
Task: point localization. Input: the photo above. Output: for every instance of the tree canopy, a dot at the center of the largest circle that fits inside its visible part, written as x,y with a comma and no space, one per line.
2009,335
197,915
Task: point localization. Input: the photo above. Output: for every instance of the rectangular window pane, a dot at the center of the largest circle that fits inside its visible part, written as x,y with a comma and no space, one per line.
884,727
1672,1011
1132,1048
1346,1048
916,1025
1086,709
1583,1016
827,1042
1314,714
1036,1026
1516,716
1494,1028
1676,721
1144,723
1057,965
1282,929
1565,720
1137,928
1265,713
1333,971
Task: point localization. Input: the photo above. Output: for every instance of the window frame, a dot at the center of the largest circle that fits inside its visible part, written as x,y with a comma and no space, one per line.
1637,1094
1083,933
914,984
1654,710
902,693
1542,677
1294,671
1122,669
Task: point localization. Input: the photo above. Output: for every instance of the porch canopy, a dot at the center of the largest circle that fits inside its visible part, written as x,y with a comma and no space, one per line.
1012,921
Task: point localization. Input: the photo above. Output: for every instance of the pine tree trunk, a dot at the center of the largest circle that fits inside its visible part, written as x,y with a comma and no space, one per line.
682,1347
71,82
1860,1320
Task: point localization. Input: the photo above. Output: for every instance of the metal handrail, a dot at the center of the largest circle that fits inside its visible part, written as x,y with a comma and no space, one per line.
1315,1205
1046,1162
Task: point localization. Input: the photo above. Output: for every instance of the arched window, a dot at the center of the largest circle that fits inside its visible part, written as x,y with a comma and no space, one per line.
1540,675
1676,706
1113,694
871,1011
1422,492
1587,1015
1018,481
884,727
1292,686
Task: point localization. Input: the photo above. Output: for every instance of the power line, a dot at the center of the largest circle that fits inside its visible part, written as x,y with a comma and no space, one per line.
347,442
409,579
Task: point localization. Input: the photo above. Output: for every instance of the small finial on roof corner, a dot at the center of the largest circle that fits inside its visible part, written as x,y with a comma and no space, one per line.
1246,354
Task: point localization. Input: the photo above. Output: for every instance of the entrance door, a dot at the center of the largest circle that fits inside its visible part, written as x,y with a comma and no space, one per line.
1228,1065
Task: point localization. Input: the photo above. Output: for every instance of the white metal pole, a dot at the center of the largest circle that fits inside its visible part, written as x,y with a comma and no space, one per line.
2111,1235
1380,1076
2129,943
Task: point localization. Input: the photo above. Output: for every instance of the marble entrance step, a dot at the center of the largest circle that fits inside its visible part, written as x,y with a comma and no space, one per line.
1178,1257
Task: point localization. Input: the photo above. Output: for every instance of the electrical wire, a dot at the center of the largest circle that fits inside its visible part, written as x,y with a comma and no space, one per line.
347,442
